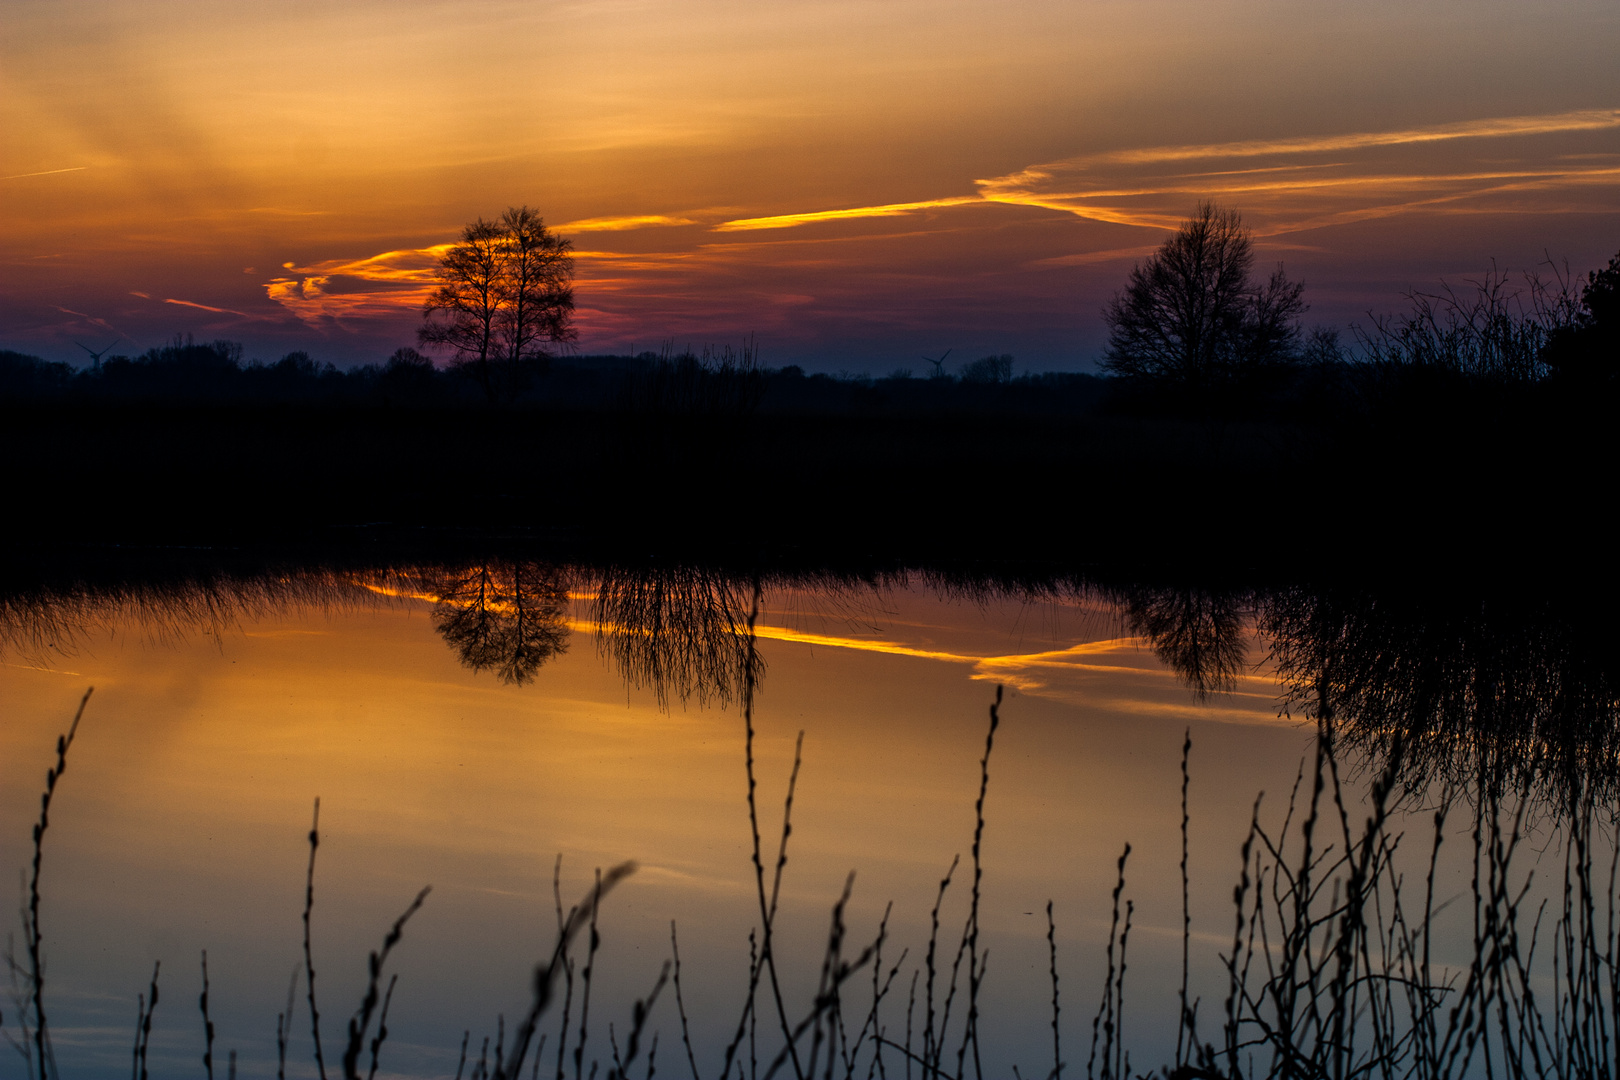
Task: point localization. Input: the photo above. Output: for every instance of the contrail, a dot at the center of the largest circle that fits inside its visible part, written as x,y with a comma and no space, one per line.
205,307
47,172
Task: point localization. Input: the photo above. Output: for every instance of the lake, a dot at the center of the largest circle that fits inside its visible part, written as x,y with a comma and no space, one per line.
502,731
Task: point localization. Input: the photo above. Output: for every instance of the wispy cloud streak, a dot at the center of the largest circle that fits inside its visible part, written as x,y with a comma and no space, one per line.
1122,187
1494,128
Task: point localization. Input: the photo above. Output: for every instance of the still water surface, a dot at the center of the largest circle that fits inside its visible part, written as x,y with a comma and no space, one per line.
456,745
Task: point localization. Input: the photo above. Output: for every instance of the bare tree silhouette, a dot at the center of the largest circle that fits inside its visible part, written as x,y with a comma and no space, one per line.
988,370
1191,315
506,291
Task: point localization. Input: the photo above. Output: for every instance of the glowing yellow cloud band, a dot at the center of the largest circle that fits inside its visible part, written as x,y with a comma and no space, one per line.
788,221
620,224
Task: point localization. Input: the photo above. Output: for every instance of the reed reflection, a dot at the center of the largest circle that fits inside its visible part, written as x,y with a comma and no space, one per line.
46,616
508,617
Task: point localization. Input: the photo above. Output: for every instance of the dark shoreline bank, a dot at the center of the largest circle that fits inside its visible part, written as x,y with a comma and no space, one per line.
1443,495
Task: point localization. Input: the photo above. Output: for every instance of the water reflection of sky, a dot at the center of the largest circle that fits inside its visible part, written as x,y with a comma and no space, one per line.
181,822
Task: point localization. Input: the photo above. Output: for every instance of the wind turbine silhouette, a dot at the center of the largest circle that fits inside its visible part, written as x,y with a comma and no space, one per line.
939,365
95,357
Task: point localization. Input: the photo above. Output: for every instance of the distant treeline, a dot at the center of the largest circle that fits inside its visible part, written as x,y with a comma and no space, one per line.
1490,346
713,381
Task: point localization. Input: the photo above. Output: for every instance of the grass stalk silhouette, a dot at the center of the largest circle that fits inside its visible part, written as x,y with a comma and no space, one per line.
208,1025
970,1033
680,1001
1187,1018
284,1022
146,1005
638,1020
546,974
43,1056
766,960
1057,1038
594,942
382,1027
1108,1025
568,968
360,1022
309,954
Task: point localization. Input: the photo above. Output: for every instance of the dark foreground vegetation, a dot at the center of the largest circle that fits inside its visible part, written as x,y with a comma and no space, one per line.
1431,708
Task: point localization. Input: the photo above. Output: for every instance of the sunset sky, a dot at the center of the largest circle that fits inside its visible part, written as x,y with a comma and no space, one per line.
858,184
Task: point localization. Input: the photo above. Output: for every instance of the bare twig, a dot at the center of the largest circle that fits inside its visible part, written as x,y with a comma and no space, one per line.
208,1025
43,1055
360,1022
680,1002
309,954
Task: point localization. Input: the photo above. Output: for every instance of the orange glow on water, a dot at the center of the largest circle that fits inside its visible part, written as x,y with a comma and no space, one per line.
180,823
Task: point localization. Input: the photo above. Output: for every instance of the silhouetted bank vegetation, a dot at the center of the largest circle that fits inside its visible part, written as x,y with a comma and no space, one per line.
1474,425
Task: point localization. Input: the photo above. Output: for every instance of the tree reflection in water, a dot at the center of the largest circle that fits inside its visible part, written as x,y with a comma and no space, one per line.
1489,693
678,631
1484,687
1498,692
1201,634
508,617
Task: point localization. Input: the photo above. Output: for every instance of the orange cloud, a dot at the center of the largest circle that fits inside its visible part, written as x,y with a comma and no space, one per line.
412,273
411,265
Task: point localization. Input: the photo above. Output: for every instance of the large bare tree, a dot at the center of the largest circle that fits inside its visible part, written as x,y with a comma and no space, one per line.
1192,315
506,291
